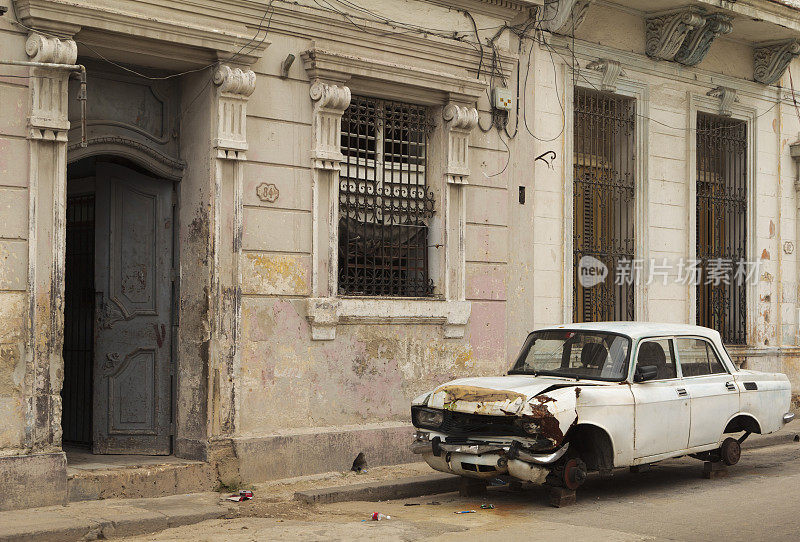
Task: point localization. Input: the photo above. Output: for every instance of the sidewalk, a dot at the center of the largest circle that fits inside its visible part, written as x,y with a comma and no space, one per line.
103,519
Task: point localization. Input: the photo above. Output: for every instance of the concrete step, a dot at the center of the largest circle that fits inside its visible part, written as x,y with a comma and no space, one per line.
110,519
118,477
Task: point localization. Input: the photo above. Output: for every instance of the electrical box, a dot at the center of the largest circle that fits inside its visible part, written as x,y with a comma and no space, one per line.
503,99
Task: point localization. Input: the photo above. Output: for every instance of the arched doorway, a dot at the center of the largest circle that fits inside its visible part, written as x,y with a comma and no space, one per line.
121,262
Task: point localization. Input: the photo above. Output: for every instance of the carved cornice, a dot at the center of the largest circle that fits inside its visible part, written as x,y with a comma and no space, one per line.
427,86
611,70
666,32
234,87
771,59
564,16
727,97
330,102
698,41
459,122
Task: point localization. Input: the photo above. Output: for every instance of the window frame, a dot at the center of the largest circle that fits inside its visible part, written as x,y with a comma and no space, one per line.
706,104
333,78
639,91
380,168
635,359
708,343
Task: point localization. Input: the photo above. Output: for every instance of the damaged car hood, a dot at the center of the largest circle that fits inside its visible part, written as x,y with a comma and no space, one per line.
495,396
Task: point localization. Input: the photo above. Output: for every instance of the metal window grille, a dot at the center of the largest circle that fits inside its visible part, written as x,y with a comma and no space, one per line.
76,393
384,204
721,224
603,205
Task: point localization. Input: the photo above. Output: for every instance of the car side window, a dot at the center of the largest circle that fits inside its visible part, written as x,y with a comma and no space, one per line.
697,358
659,353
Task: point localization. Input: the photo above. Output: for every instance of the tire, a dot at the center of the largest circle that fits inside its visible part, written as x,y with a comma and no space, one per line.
730,451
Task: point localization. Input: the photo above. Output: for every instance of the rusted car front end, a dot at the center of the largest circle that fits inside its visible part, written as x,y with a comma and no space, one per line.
485,427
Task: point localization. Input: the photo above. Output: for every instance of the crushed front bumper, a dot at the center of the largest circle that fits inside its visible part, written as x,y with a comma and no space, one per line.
480,459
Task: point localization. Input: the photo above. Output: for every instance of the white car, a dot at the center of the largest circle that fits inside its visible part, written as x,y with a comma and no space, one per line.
593,397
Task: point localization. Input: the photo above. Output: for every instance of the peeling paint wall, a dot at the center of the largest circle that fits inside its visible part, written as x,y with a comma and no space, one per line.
14,377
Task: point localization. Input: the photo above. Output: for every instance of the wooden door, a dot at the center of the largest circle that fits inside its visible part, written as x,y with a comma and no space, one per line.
133,298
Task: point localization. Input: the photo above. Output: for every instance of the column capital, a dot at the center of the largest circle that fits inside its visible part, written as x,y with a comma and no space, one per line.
330,102
459,120
234,86
41,48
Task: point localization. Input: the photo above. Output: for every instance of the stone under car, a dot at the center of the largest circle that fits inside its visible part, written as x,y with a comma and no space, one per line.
594,397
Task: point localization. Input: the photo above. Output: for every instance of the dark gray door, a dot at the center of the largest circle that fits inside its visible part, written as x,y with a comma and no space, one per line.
133,264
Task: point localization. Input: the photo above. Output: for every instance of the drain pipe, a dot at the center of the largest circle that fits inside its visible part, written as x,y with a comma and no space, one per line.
70,67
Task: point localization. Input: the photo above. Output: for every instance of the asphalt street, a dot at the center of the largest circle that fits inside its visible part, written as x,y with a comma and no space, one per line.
671,501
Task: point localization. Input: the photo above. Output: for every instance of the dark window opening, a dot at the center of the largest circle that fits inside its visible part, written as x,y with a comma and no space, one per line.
603,205
722,224
384,203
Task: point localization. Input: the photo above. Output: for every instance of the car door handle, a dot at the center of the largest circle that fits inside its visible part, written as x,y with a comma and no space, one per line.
682,392
731,386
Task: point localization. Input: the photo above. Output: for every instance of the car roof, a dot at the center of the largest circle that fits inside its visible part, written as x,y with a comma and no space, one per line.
637,330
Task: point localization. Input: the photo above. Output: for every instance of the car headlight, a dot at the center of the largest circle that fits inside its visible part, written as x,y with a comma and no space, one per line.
427,417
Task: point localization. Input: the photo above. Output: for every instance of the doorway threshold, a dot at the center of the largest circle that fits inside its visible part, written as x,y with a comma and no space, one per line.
92,477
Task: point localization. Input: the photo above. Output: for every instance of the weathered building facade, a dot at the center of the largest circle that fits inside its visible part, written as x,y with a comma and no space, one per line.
277,222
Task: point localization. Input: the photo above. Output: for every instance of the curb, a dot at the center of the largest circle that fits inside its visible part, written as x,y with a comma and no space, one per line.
382,491
92,520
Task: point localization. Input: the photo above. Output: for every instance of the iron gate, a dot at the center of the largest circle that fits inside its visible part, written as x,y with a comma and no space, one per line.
384,204
722,225
603,205
76,393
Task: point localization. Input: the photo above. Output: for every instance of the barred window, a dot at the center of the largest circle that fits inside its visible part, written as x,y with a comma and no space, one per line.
384,203
722,224
603,206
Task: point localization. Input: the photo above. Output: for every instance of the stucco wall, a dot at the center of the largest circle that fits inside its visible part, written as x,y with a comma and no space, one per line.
13,240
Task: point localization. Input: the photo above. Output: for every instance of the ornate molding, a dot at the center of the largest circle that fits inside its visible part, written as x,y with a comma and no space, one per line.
234,87
330,102
698,41
48,120
459,122
771,59
611,70
665,33
172,167
564,16
727,97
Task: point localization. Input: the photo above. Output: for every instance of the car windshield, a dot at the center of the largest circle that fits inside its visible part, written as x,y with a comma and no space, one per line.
591,355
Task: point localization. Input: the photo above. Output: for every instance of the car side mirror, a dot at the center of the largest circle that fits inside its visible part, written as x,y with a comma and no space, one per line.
645,372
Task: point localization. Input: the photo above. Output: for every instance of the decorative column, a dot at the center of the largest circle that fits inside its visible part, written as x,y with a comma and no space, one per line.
770,60
233,88
47,141
330,101
459,120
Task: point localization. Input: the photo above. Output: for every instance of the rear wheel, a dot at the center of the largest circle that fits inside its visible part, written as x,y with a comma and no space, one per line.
730,451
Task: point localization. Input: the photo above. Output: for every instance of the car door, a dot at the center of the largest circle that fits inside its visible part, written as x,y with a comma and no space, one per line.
661,415
713,393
